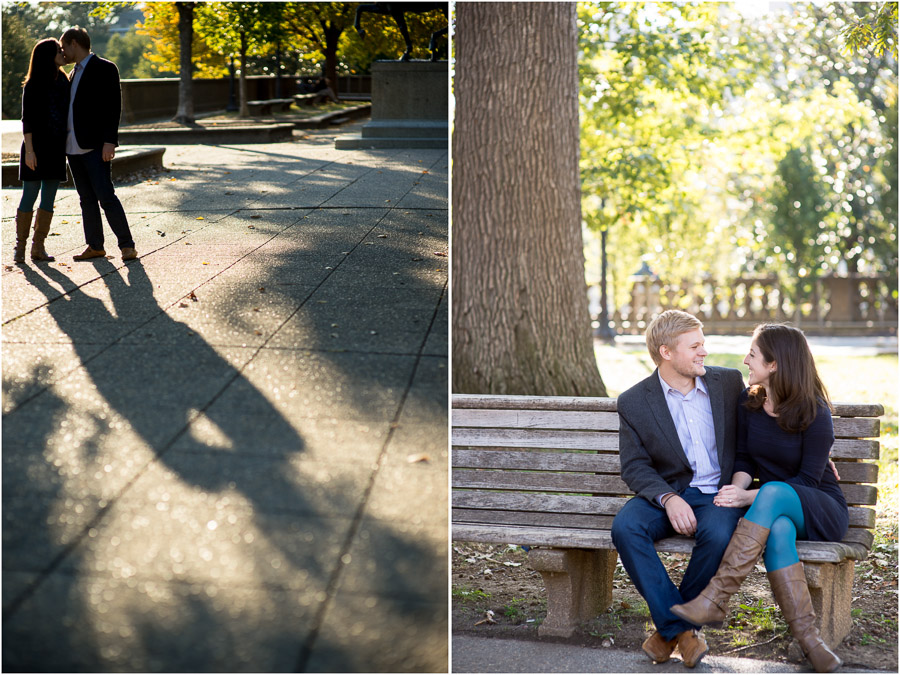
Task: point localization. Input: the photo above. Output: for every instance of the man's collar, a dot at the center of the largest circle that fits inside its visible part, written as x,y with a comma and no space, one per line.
699,383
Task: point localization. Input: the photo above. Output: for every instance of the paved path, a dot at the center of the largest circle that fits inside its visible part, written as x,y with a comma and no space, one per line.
487,655
231,454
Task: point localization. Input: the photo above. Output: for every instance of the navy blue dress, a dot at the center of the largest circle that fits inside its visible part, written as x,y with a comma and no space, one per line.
767,452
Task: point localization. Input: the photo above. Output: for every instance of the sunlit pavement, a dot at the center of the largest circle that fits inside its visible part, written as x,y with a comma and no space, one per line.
231,454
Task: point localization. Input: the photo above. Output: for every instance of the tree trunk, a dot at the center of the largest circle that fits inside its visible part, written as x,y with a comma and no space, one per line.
520,308
332,37
185,112
242,80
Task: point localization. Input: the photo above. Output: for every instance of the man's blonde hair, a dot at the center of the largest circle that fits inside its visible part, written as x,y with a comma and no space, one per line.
666,328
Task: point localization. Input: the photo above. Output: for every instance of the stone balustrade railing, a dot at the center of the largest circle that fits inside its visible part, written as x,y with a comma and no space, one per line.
833,305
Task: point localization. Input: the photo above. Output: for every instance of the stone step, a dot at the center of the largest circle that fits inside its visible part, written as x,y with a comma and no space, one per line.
127,160
356,142
399,128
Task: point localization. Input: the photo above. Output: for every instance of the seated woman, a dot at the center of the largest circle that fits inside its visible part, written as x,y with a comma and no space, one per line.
785,434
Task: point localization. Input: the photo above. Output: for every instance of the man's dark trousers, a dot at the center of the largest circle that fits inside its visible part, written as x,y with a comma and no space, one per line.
93,180
639,524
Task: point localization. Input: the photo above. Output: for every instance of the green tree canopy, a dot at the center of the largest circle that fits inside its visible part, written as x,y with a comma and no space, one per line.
717,144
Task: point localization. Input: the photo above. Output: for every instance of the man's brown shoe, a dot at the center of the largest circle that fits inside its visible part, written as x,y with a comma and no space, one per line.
89,253
692,647
657,648
129,254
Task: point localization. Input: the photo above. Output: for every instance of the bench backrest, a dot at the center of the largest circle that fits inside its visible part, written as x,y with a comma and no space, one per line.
554,462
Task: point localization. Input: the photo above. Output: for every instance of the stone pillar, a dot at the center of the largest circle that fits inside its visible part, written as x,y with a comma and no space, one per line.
830,587
409,107
579,586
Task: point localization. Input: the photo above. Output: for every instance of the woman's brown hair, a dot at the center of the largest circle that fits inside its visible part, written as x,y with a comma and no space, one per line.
42,67
795,385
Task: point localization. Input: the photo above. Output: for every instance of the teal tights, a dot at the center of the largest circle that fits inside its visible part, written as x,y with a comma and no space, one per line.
778,508
31,189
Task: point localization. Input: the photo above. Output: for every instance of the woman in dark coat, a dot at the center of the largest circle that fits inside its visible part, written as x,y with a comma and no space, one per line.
784,437
42,165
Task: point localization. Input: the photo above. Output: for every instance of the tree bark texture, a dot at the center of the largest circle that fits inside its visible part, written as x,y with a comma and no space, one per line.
185,112
332,38
242,79
520,308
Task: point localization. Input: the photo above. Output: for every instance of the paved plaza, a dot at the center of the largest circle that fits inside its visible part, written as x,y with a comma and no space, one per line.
231,454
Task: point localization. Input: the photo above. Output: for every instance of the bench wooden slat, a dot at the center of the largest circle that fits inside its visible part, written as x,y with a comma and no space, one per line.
856,427
487,510
857,472
499,402
855,449
533,438
844,427
857,409
601,404
538,461
860,535
856,495
512,501
809,551
537,419
541,481
861,517
860,494
586,440
532,519
851,472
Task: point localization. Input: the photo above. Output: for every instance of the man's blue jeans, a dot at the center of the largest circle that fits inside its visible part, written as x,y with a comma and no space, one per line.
93,180
639,524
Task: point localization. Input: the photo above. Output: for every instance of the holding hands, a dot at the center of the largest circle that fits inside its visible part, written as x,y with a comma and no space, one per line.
734,496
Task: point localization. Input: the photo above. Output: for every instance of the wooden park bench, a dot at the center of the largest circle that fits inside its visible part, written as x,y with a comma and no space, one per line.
266,107
543,472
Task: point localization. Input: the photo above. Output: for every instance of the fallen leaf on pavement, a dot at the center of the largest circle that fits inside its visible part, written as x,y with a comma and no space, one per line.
418,457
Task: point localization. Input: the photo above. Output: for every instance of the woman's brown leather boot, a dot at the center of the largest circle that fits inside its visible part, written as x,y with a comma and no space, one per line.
23,228
41,230
792,595
710,607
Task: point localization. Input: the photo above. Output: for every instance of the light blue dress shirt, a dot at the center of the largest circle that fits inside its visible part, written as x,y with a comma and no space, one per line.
693,419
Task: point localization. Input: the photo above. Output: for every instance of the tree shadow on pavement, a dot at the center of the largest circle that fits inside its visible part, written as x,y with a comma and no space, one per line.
175,521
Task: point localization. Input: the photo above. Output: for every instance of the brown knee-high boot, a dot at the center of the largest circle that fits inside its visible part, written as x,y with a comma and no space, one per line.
41,230
740,556
23,227
792,595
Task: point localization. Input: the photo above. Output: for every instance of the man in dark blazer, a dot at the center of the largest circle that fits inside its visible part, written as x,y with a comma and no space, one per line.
93,133
677,434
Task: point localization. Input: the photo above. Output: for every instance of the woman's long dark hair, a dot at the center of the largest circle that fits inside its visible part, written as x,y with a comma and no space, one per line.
42,67
795,385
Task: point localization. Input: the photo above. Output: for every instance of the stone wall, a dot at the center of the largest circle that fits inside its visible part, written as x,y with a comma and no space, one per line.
157,98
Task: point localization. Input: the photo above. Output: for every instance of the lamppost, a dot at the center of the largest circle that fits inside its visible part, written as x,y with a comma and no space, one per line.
604,330
232,103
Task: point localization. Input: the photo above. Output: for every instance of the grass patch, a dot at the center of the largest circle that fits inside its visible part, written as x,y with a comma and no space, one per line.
469,594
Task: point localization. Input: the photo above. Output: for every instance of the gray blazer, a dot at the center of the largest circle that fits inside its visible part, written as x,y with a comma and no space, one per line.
653,461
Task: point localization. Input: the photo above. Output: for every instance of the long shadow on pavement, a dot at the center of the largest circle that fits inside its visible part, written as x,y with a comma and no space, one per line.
151,546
